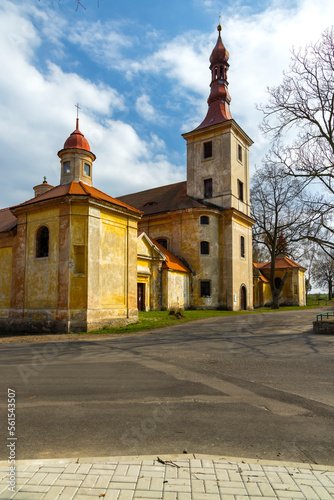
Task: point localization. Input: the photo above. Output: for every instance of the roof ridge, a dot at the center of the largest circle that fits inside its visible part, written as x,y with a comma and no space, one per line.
82,184
153,188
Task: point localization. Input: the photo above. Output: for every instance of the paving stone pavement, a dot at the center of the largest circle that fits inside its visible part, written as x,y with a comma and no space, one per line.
173,477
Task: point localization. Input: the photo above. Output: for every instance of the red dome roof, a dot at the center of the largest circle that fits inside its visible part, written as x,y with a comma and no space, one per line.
77,140
219,53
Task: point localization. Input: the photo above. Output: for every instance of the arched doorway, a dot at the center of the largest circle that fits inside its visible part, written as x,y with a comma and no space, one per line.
243,298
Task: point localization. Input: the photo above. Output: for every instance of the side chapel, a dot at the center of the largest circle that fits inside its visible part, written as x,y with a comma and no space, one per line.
75,259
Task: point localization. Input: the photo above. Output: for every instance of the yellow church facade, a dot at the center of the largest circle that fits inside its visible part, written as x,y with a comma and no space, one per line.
58,272
75,259
205,221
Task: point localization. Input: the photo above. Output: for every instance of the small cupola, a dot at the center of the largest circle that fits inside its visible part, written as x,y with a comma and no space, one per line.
76,159
42,188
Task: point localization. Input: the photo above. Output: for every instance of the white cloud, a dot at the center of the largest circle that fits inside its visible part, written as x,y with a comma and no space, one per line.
37,114
101,40
260,49
145,109
38,95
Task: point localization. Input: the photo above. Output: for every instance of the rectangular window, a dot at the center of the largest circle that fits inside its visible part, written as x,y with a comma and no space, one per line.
208,188
67,167
241,190
86,169
242,246
239,153
205,248
205,288
208,149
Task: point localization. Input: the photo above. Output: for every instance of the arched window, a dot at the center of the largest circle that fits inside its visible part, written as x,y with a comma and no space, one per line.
204,219
42,242
162,242
242,246
243,298
205,247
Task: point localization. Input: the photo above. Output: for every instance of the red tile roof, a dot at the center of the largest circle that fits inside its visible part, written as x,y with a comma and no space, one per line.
281,263
258,265
7,220
218,112
171,262
77,189
77,140
162,199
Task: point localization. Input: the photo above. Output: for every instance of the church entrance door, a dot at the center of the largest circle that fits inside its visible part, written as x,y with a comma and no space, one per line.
141,296
243,298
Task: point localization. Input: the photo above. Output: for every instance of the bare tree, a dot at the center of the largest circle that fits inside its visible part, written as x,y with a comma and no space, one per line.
280,213
77,2
323,273
304,102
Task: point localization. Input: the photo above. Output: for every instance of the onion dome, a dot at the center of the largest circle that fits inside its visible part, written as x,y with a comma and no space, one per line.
77,140
219,98
219,54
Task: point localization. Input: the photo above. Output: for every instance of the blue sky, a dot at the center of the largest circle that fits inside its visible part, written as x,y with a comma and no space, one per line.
139,71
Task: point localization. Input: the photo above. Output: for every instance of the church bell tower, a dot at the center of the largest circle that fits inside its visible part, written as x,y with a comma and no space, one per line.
217,150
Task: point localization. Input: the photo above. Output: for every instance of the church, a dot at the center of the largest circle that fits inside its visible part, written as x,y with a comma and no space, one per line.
73,258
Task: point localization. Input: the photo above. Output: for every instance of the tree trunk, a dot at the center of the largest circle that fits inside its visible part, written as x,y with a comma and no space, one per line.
330,290
275,296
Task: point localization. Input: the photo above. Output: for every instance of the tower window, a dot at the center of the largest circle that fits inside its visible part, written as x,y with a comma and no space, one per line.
86,169
162,242
242,246
216,72
42,242
241,190
205,288
239,153
208,188
67,167
207,149
221,73
204,219
205,248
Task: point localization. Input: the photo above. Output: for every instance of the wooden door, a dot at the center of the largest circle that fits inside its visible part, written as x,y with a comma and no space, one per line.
141,296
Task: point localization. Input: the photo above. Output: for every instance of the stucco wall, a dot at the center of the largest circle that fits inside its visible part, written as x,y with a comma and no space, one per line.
224,267
41,283
224,167
177,284
5,280
113,262
78,258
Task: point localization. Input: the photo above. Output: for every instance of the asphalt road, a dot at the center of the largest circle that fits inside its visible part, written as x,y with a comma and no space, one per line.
248,386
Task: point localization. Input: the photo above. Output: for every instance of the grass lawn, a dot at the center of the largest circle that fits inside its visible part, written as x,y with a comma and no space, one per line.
160,319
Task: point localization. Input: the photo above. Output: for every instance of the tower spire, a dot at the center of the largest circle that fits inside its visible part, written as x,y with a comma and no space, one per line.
219,98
